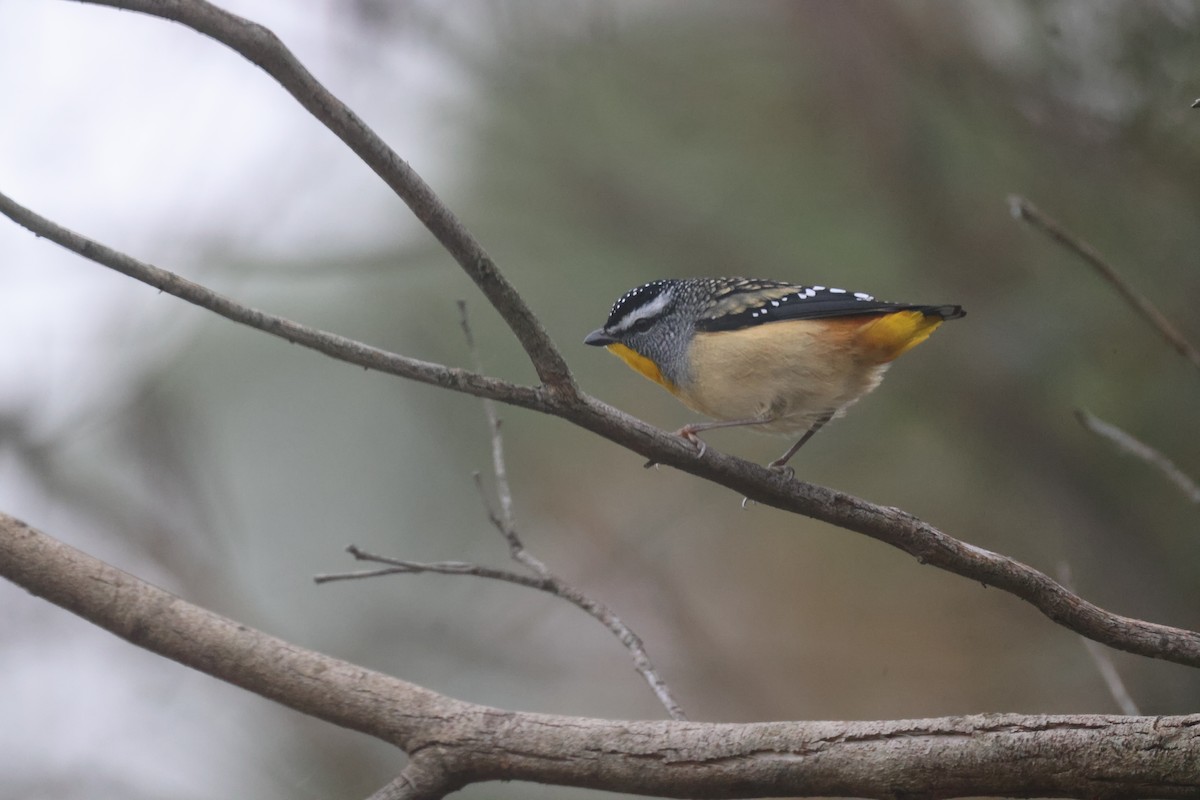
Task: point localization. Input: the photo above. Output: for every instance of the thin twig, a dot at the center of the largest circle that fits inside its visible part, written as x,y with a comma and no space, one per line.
399,566
1026,211
505,523
548,583
516,548
1130,445
1104,664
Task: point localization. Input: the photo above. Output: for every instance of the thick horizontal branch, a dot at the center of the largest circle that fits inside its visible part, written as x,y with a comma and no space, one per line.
769,487
263,48
1006,754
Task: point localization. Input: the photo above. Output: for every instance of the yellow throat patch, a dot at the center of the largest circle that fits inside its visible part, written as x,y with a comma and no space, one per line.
639,363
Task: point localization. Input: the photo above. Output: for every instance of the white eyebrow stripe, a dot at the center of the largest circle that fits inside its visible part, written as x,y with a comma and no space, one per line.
650,309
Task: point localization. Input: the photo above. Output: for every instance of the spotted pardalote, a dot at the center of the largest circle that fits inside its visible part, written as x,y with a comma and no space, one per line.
778,356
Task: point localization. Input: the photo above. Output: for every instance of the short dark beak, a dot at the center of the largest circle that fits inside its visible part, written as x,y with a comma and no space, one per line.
599,338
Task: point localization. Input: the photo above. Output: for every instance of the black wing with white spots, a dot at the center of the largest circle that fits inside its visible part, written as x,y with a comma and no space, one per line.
742,302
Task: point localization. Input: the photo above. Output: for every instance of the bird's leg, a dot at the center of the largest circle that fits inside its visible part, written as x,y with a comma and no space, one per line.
781,462
689,432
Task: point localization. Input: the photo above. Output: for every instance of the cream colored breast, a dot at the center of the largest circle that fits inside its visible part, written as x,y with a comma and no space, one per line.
795,371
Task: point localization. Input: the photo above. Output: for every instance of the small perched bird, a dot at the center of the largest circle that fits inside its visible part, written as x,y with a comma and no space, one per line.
779,357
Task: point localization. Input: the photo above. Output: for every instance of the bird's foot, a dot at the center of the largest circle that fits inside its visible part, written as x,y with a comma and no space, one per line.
781,466
687,432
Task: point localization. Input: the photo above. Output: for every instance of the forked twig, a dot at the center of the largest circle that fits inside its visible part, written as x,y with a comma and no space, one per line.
1026,211
505,523
548,583
1130,445
400,566
543,580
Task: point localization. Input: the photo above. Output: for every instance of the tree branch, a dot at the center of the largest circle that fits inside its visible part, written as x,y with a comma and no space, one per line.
1130,445
505,523
758,483
1104,664
330,344
420,780
1026,211
1001,754
263,48
544,581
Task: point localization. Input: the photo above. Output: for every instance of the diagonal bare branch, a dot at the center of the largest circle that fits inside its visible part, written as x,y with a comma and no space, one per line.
1026,211
340,347
263,48
1130,445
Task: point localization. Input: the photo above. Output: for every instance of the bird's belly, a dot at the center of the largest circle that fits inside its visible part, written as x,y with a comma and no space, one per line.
781,372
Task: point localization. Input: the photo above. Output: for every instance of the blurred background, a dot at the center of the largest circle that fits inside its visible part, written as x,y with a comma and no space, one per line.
590,146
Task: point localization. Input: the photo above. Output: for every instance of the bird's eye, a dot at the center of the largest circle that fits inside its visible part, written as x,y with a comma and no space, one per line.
642,325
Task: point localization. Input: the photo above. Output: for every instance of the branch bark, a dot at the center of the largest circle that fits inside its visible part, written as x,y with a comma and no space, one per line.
452,743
